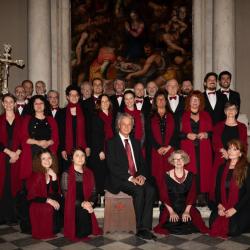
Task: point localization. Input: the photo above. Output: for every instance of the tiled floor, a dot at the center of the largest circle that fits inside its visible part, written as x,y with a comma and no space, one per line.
11,238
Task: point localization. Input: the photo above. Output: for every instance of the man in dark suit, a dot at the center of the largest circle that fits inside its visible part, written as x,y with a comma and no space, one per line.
127,174
214,101
225,81
53,98
117,99
142,103
176,103
21,102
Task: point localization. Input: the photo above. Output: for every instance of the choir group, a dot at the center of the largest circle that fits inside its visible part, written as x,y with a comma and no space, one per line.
182,147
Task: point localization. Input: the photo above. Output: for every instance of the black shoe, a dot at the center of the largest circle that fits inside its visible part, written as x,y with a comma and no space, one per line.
146,235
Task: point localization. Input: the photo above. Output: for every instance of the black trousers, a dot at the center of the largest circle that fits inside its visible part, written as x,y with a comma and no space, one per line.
143,199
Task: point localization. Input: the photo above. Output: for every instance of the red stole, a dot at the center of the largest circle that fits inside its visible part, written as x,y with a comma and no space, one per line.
41,214
136,114
26,155
107,121
160,164
205,148
16,142
69,210
80,130
221,224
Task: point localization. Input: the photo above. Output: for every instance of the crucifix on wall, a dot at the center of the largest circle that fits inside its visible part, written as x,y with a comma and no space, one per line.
5,63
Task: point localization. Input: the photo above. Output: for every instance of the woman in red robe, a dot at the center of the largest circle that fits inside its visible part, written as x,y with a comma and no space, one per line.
39,131
78,185
102,130
179,215
130,108
161,139
231,216
10,126
44,196
196,131
223,132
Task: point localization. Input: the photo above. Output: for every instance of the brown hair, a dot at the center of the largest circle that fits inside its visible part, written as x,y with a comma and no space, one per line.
185,157
241,167
37,164
98,103
197,94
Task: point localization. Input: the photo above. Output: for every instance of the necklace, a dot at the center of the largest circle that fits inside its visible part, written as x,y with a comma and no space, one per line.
194,113
180,179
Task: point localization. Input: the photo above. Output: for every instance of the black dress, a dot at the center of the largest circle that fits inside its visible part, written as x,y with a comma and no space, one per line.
39,130
7,202
229,133
178,193
83,222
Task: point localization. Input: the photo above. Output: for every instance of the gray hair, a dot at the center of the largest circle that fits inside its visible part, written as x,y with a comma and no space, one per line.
121,116
185,157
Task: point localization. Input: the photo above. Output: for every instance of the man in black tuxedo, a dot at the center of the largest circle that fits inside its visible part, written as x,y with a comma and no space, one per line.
53,98
117,99
142,103
21,102
127,174
176,104
151,89
214,101
225,81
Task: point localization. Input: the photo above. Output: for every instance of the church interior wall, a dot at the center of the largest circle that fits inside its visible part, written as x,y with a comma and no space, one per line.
13,30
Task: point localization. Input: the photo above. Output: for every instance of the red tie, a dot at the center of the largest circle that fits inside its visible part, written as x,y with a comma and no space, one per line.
131,164
121,95
211,93
172,97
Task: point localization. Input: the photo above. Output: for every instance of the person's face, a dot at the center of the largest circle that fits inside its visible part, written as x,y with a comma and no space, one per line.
73,97
78,158
20,93
133,15
8,103
53,99
147,51
182,13
233,153
86,90
186,87
160,101
172,87
231,112
39,106
105,103
152,88
139,90
129,101
46,160
178,161
194,103
125,126
119,86
225,81
97,87
211,83
28,87
40,88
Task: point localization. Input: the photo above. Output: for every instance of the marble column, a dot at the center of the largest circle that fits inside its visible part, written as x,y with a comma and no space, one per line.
60,51
39,41
202,40
224,37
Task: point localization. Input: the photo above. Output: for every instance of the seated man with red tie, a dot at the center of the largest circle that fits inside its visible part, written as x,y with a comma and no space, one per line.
127,174
117,99
21,102
141,102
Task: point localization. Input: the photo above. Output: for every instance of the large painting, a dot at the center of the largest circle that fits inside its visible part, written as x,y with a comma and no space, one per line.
138,40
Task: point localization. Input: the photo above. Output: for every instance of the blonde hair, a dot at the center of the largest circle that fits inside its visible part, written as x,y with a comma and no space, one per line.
185,157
